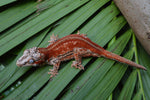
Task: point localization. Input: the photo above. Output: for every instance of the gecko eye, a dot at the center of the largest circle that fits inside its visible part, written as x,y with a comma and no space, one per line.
31,61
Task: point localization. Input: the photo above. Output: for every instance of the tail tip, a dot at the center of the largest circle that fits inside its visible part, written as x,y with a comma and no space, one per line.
142,67
145,69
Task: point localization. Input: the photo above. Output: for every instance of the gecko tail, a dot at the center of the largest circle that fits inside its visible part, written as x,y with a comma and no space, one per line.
116,57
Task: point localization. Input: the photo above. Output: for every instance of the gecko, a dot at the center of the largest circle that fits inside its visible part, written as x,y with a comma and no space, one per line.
74,46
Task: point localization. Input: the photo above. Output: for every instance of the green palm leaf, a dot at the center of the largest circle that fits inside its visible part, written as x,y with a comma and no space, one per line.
25,24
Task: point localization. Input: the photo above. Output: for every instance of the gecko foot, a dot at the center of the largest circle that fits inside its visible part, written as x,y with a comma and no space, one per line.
53,39
53,73
77,65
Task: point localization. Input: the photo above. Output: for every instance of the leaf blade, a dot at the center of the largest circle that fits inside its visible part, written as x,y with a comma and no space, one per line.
37,25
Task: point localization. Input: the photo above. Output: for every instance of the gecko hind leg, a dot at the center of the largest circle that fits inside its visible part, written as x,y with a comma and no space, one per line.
78,58
53,39
78,54
84,35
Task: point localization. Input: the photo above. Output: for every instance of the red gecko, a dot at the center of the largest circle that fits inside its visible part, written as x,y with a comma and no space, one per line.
72,46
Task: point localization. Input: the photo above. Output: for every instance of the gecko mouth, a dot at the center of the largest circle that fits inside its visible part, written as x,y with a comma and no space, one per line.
20,65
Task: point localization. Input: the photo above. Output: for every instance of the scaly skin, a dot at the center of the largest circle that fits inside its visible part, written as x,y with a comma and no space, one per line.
72,46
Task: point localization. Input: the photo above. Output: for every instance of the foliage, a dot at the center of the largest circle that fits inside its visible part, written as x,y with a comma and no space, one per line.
25,24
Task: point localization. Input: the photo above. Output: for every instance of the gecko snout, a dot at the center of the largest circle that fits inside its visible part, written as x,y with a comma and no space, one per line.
19,65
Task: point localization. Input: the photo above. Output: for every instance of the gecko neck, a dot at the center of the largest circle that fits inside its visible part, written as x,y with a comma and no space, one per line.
43,51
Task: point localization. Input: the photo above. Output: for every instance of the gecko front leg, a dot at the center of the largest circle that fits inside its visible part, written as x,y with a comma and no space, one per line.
56,63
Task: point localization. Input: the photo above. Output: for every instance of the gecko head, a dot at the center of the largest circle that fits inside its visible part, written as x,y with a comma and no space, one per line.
31,57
